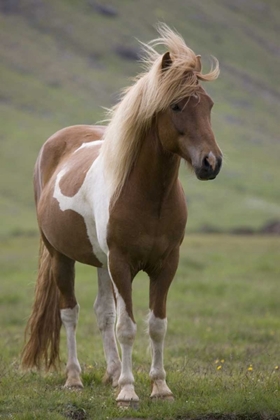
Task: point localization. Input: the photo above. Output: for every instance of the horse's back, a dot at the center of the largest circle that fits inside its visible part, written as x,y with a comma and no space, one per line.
59,147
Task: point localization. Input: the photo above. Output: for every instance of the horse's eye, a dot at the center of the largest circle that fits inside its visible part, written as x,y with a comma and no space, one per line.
175,107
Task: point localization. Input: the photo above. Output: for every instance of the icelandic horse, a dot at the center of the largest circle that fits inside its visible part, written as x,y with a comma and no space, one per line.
110,197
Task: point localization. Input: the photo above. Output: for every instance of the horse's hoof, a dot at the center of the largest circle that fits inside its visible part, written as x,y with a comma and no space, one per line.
74,385
160,391
128,404
127,398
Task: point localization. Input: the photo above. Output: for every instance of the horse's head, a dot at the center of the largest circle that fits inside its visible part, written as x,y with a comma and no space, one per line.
185,129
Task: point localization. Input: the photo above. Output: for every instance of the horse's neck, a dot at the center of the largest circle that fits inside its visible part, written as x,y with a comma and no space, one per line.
155,171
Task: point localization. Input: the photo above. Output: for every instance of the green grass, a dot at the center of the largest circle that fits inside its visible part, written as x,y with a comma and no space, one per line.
222,346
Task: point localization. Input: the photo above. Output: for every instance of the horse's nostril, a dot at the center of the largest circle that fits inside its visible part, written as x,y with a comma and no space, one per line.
210,167
206,163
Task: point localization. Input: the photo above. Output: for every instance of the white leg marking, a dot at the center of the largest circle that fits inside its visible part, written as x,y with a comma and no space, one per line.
126,331
105,310
157,331
69,319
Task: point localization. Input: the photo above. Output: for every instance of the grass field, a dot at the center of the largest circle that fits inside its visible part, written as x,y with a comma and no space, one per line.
222,348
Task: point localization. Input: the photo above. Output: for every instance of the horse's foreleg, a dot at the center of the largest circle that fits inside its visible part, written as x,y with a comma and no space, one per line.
64,275
105,309
157,331
157,325
126,326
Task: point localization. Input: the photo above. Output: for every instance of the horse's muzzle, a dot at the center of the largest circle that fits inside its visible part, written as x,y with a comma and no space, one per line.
209,168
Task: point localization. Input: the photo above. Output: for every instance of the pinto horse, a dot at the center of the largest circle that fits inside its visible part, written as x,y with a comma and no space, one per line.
110,197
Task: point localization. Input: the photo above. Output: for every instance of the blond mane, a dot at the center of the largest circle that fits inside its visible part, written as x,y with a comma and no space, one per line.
153,91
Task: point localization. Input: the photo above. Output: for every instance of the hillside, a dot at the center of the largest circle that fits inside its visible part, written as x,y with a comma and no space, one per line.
62,61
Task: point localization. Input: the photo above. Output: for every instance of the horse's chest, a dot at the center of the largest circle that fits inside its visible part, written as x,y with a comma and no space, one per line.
144,235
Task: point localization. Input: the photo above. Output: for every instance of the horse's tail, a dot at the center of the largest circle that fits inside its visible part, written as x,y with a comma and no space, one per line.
44,324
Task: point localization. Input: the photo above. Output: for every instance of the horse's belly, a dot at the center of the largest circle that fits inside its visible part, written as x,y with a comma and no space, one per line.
67,232
76,224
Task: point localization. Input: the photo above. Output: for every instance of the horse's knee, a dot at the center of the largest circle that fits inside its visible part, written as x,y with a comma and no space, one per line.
126,330
105,313
157,328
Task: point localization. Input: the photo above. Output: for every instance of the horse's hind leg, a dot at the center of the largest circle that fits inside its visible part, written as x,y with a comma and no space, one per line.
105,309
64,275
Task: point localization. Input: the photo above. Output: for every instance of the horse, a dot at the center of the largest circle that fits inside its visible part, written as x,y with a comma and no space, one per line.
110,197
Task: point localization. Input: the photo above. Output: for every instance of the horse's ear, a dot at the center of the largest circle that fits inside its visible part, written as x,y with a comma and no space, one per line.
198,63
166,61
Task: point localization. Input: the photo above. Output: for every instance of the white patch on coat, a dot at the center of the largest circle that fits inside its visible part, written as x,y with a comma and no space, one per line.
90,144
92,203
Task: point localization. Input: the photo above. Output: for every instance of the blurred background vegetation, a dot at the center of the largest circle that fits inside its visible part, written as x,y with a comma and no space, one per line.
62,61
